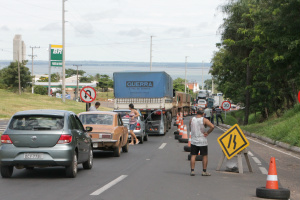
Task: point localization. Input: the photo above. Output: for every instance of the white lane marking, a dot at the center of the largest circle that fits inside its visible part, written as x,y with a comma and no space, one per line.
268,146
109,185
147,159
250,153
256,160
162,145
263,170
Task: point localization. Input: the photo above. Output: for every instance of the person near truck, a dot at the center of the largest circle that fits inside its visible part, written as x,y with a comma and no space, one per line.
95,107
213,112
199,140
132,123
218,115
207,113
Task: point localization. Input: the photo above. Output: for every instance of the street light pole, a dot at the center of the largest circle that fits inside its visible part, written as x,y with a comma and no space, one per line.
64,53
185,73
77,87
32,56
151,53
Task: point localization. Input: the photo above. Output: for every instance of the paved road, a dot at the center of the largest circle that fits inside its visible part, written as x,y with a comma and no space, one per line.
157,169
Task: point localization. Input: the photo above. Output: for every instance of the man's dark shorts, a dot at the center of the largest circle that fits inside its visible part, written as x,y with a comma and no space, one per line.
195,150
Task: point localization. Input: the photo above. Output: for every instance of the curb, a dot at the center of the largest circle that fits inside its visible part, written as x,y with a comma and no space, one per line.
268,140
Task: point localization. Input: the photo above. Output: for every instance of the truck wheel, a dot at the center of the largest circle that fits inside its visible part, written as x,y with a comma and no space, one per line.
89,163
126,147
71,170
7,171
117,150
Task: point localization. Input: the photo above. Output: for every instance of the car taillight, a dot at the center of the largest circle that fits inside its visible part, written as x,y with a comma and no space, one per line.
138,126
64,139
5,139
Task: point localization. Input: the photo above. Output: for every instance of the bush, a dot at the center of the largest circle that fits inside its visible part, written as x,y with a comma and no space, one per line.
40,90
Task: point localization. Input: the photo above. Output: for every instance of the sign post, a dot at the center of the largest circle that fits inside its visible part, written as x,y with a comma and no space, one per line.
88,95
55,60
226,105
233,142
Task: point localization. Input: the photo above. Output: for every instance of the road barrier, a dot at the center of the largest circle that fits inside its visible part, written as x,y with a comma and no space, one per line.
180,131
184,138
187,148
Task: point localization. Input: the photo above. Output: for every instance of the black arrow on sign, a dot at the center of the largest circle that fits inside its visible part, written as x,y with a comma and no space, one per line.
86,95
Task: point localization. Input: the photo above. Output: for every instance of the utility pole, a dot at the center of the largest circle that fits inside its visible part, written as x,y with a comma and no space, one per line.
185,73
64,53
212,85
202,76
32,56
19,73
151,52
77,87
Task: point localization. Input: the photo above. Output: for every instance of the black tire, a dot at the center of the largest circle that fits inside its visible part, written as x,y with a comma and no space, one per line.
177,137
182,140
117,150
281,193
71,170
176,132
126,147
175,124
198,157
89,163
146,137
187,148
141,139
7,171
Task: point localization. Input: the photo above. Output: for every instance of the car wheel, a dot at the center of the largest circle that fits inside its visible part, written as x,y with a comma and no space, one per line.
126,147
7,171
146,137
89,163
141,139
71,171
117,150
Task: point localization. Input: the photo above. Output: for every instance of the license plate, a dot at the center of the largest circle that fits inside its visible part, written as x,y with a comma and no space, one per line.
95,145
33,156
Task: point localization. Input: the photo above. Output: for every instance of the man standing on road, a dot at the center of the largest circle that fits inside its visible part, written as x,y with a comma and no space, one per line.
207,113
95,107
199,140
218,115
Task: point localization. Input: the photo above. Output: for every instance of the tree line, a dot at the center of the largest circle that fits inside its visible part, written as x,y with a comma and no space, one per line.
258,59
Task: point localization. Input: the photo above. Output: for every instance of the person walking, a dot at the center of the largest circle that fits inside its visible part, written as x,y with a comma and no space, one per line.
218,115
199,140
207,113
132,123
95,107
213,112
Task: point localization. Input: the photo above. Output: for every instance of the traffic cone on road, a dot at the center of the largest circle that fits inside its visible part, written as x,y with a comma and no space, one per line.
177,120
184,138
178,127
272,181
187,148
272,191
180,131
198,157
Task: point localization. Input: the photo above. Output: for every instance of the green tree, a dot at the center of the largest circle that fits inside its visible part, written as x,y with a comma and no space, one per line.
55,77
38,89
71,72
178,85
105,82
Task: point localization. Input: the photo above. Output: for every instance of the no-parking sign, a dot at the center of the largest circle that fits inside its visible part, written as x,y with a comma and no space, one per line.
88,94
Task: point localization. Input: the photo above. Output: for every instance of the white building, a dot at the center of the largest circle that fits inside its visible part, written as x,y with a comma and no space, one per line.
19,49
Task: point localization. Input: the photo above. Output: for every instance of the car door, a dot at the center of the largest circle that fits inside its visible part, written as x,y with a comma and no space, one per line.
142,123
124,134
79,138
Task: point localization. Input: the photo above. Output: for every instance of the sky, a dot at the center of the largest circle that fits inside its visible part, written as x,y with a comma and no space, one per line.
114,30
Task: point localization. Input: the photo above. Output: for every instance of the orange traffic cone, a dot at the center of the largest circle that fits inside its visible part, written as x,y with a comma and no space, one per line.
180,131
178,127
187,148
184,138
272,181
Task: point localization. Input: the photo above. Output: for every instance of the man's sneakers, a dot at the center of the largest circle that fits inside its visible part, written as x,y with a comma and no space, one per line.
206,174
192,173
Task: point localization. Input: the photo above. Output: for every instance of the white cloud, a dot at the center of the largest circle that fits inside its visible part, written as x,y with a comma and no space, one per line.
51,27
4,28
132,33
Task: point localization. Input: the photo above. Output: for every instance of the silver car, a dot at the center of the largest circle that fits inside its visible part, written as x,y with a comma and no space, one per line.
140,128
45,138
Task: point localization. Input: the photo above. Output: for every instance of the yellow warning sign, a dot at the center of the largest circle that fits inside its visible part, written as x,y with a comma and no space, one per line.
233,141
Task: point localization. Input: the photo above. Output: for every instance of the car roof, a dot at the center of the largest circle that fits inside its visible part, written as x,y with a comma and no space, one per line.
98,112
44,112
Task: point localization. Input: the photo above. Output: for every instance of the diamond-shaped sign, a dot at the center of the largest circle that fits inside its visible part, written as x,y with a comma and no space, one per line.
233,141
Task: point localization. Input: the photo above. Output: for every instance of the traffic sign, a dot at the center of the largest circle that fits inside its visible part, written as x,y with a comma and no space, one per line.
226,105
233,141
299,96
88,94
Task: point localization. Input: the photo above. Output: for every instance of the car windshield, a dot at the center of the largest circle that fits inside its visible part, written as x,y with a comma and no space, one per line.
103,119
37,122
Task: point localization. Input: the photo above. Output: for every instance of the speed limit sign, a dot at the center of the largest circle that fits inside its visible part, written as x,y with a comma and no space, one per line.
226,105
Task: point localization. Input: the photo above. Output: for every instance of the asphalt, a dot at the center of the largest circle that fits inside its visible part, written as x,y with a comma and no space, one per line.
157,169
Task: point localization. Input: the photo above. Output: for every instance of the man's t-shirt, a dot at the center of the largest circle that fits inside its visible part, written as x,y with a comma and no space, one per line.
197,132
218,111
93,108
207,112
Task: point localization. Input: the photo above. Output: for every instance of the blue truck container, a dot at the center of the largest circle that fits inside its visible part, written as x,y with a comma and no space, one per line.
142,85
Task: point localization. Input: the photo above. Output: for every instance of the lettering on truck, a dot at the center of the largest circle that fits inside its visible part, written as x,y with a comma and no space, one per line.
139,83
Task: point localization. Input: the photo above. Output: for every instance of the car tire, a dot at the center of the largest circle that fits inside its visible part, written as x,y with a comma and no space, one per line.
7,171
126,147
71,170
146,137
117,150
280,193
89,163
141,139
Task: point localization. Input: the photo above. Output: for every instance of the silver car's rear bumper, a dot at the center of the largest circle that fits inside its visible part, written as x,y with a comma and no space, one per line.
59,155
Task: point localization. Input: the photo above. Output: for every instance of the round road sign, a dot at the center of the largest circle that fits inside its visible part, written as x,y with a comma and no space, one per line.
226,105
299,96
88,94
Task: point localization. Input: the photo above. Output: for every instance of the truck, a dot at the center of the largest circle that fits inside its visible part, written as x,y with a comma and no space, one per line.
218,101
151,93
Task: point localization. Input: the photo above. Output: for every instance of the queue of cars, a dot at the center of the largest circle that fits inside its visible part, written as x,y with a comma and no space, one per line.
49,138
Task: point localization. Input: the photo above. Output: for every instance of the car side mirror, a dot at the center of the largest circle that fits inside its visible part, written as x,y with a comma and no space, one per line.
89,129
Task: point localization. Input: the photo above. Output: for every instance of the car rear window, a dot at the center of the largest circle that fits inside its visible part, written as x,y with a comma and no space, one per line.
104,119
37,122
123,114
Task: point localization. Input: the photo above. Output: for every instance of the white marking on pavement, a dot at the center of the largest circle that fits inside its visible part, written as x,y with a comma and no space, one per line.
263,170
109,185
256,160
147,159
250,153
162,145
268,146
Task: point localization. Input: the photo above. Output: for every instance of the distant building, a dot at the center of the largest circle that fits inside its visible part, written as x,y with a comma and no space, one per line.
193,86
19,49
